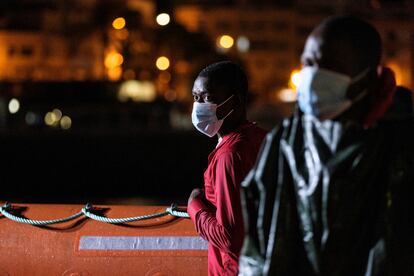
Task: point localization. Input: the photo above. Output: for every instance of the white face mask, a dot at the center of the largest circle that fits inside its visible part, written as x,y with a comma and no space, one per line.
204,117
322,93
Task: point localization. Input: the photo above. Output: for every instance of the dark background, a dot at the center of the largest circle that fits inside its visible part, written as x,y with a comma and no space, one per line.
140,167
53,55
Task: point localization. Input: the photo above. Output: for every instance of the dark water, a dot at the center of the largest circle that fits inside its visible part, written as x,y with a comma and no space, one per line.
102,168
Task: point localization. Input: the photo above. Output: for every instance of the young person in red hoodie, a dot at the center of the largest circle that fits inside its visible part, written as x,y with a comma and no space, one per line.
220,109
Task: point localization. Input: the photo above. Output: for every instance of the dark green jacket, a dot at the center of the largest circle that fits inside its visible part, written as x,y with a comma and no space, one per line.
331,199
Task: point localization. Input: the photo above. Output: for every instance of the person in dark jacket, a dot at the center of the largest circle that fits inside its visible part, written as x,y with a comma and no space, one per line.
330,193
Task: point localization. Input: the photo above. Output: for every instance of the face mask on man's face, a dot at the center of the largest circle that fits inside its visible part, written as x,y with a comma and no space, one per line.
322,93
204,117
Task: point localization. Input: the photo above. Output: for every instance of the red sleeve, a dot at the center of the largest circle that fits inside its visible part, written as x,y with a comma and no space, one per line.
224,227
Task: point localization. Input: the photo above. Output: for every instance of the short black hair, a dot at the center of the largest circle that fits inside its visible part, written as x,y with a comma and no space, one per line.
363,38
228,74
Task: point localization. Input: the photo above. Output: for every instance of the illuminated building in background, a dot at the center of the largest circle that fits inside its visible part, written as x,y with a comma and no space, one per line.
398,51
265,39
74,41
41,56
275,34
47,41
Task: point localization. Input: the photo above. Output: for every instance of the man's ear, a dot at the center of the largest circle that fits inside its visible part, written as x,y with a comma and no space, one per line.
380,68
383,96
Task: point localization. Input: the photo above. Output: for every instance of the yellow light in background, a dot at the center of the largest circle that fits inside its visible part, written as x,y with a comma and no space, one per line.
113,59
138,91
114,73
162,63
14,106
57,114
50,119
397,71
295,79
225,41
119,23
66,122
163,19
287,95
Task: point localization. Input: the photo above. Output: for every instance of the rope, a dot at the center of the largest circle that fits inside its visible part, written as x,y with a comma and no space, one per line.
88,212
169,211
173,212
7,206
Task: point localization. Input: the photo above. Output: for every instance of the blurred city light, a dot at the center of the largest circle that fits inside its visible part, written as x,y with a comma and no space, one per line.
162,63
113,59
50,119
66,122
14,106
243,44
57,113
287,95
119,23
164,77
122,34
397,71
163,19
225,41
138,91
31,118
114,73
295,79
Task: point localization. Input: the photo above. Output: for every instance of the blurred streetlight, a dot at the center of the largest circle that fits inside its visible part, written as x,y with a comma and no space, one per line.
287,95
113,59
395,67
162,63
31,118
114,73
163,19
66,122
57,114
14,106
50,119
139,91
119,23
225,41
243,44
295,79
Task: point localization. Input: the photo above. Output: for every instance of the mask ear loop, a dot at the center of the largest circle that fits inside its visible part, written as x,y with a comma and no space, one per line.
228,114
357,78
231,111
361,75
359,96
225,101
